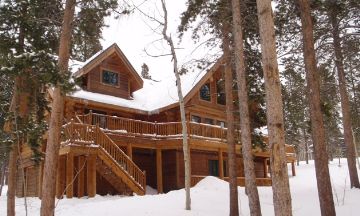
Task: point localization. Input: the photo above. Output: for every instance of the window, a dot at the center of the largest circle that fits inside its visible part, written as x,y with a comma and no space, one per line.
110,78
195,118
205,92
208,121
214,167
220,92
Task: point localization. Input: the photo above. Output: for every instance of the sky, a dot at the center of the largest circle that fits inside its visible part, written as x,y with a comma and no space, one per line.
134,34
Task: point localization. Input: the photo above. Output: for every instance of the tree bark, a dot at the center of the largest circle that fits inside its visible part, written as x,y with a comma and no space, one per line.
280,179
12,181
57,112
306,147
250,178
186,148
317,125
344,99
234,206
2,176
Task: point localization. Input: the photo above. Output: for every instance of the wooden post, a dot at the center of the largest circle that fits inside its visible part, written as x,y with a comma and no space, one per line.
221,164
129,151
91,175
81,176
40,178
265,167
293,168
69,175
60,177
159,170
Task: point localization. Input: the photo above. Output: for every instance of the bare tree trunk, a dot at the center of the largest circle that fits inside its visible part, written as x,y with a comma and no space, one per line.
12,181
345,105
234,206
2,176
280,179
306,147
250,178
186,149
53,142
317,125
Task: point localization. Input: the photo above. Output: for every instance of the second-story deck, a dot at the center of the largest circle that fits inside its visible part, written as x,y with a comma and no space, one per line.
165,135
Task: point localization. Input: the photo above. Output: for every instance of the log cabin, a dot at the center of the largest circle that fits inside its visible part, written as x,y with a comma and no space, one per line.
122,133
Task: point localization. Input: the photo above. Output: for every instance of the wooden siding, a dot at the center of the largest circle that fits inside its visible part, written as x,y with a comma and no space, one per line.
114,64
146,160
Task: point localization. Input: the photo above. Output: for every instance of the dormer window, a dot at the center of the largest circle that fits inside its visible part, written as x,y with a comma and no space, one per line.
110,78
205,92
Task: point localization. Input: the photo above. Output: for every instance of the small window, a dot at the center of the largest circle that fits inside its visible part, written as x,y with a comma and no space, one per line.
205,92
220,92
214,167
110,78
209,121
195,118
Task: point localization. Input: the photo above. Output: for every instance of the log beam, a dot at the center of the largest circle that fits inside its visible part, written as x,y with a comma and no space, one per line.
265,167
91,175
129,151
221,164
69,175
81,176
159,171
60,177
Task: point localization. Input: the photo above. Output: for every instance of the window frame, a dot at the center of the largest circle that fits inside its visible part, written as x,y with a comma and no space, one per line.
111,71
209,101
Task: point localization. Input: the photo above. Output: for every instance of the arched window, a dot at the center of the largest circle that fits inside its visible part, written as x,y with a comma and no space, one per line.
205,92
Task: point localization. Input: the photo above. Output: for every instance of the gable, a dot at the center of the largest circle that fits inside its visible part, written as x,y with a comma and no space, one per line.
113,57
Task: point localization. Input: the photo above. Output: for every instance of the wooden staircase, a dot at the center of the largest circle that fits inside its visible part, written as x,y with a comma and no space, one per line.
123,169
112,178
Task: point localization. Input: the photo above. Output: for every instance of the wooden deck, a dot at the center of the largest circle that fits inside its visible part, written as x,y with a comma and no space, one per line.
109,137
153,130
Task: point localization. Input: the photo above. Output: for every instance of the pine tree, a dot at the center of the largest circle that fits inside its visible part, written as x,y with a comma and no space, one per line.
254,202
317,125
88,25
336,11
280,180
56,117
145,71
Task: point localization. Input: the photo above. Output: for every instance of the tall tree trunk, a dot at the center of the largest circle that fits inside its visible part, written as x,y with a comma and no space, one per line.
306,146
2,176
317,125
250,178
186,148
234,206
19,107
53,142
345,104
12,181
279,175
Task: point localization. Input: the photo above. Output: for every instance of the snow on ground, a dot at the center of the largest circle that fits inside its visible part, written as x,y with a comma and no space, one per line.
210,198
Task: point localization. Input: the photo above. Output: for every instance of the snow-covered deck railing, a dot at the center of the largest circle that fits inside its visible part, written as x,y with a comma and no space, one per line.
160,130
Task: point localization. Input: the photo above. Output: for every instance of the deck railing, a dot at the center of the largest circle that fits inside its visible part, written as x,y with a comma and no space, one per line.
86,134
153,129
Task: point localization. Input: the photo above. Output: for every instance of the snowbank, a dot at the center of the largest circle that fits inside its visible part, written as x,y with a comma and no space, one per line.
210,198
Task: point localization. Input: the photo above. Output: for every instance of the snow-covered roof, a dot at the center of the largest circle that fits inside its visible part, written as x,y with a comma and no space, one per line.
153,96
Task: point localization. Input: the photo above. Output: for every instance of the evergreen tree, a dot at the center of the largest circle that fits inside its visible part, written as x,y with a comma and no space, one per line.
88,25
317,126
145,71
